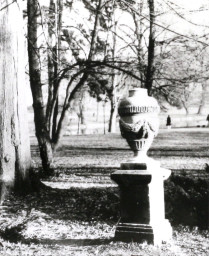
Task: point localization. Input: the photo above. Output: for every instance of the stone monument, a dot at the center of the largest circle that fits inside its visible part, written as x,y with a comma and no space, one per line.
141,179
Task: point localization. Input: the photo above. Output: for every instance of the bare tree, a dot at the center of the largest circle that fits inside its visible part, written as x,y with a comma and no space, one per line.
54,30
42,132
48,126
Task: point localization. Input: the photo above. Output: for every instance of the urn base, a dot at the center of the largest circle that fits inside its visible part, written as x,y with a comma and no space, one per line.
133,232
142,204
140,162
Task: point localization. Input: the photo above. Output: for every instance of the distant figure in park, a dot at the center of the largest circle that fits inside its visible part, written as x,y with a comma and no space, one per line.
168,123
208,120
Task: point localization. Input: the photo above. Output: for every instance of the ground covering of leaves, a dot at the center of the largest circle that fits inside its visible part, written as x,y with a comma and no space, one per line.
76,211
52,222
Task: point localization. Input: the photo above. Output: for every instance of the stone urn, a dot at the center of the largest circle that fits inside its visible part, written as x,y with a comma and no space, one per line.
139,122
141,179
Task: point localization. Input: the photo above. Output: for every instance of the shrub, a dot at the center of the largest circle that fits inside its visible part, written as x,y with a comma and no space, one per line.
187,200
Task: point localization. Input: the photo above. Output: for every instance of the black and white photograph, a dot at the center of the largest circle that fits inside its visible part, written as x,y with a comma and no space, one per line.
104,127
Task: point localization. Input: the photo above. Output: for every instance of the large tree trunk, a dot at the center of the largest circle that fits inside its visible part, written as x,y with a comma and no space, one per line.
42,133
15,158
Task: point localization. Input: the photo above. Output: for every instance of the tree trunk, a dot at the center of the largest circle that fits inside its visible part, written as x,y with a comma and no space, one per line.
54,30
113,116
203,100
113,110
78,128
97,113
139,36
56,64
94,32
83,109
151,49
113,97
83,121
104,117
50,63
15,158
185,107
83,117
42,132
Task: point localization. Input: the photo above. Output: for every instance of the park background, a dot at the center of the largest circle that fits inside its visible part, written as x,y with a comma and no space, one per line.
75,210
187,103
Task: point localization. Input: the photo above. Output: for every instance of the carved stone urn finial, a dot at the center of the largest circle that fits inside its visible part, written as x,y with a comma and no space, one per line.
139,122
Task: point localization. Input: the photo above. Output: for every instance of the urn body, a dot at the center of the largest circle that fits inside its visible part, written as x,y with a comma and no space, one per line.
139,121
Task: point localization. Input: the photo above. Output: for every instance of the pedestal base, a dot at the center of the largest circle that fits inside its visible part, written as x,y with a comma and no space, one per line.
133,232
142,205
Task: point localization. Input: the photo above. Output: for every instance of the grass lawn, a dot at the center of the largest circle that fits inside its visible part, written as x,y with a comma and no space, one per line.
176,149
75,213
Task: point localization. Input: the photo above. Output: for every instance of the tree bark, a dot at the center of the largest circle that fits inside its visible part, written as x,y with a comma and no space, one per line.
151,49
15,158
42,132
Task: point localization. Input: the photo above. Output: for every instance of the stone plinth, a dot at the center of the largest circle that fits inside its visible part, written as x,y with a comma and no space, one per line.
142,204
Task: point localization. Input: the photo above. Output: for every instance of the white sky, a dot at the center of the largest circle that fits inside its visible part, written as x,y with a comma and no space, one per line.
189,9
188,14
190,4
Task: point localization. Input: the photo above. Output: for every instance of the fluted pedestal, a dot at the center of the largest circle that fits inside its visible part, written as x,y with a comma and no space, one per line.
142,204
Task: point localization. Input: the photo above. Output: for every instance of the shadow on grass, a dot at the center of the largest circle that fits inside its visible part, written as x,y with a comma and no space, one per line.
71,242
187,151
79,204
186,201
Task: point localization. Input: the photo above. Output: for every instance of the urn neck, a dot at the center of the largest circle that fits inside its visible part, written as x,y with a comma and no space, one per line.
138,91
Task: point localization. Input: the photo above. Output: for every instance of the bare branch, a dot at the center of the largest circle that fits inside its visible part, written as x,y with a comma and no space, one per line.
6,6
